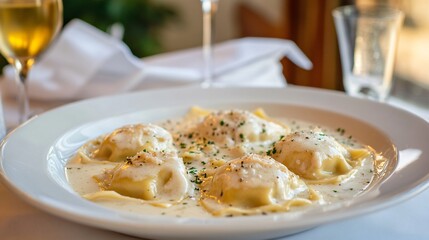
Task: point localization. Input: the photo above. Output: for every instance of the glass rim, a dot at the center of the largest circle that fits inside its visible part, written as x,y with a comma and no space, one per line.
388,12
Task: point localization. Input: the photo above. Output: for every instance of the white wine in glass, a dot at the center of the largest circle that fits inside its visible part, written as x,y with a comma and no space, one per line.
209,8
27,27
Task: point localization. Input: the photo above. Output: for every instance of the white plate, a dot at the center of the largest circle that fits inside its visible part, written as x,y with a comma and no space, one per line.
34,155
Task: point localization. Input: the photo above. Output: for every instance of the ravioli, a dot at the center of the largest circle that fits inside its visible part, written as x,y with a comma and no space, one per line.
236,131
315,156
252,184
237,126
127,141
158,178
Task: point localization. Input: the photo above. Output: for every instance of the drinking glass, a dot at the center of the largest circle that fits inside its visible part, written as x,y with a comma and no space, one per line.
209,8
367,37
27,27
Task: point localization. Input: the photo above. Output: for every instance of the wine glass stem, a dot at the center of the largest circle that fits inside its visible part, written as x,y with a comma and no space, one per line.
209,8
22,68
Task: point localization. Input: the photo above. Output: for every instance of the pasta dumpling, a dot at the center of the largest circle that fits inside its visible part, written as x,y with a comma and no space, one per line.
315,156
228,134
252,184
154,177
126,141
238,126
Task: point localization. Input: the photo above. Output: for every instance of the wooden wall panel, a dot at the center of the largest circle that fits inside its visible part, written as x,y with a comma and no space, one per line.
310,24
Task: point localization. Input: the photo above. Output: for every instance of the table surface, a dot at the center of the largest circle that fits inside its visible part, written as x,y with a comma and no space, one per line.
407,220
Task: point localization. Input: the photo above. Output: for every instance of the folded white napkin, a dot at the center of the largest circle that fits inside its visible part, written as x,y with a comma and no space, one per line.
86,62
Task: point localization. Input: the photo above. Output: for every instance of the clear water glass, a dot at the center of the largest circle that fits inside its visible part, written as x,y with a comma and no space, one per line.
367,38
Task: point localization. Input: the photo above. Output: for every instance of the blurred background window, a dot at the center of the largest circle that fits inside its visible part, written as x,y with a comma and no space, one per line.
412,59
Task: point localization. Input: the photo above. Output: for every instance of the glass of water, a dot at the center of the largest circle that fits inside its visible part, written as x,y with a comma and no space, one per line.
367,37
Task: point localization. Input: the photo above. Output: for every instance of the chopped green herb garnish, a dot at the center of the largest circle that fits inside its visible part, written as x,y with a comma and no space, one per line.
241,137
192,170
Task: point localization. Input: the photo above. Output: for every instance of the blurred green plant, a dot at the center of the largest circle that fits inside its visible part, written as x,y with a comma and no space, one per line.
141,20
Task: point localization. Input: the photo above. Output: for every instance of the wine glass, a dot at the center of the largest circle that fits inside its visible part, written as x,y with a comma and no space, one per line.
209,8
27,27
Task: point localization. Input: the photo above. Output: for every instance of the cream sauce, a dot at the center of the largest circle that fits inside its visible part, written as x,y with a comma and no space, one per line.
81,175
